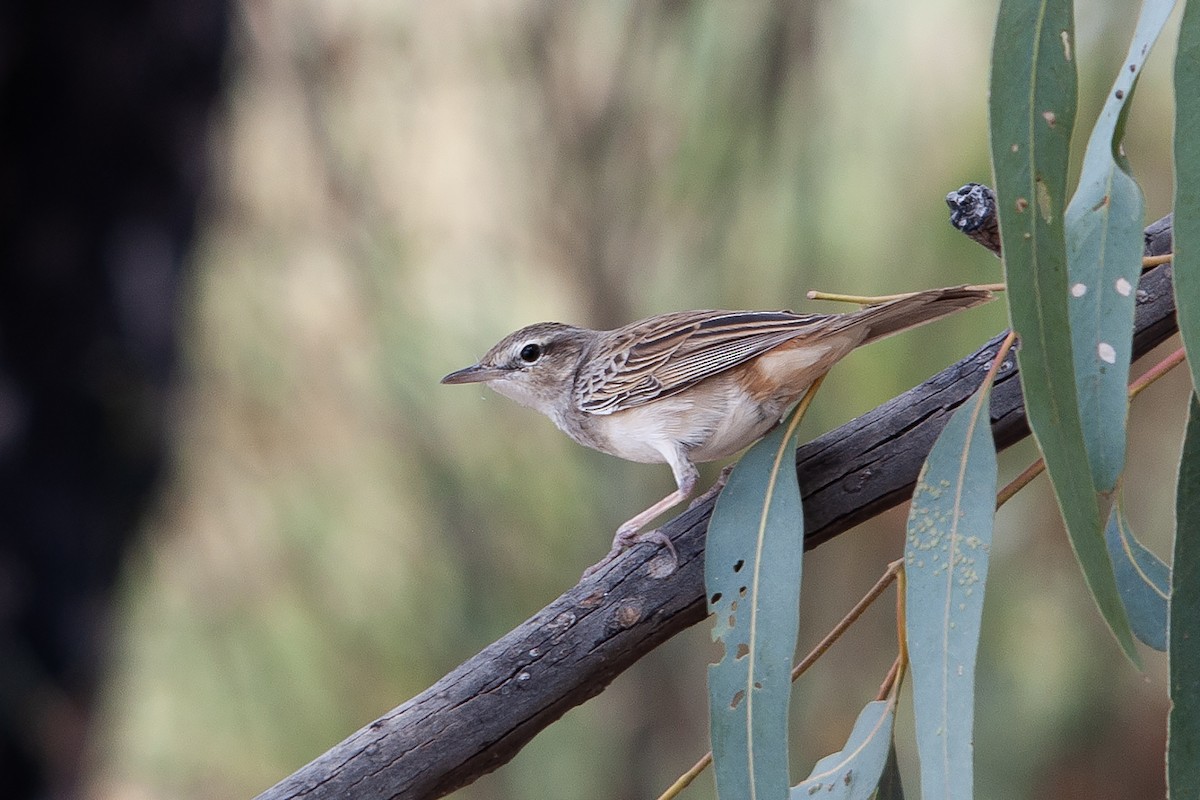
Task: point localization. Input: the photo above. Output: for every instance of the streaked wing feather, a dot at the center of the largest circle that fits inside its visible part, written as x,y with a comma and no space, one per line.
664,357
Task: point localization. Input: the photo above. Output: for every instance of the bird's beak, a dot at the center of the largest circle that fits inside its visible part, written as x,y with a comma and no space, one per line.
476,373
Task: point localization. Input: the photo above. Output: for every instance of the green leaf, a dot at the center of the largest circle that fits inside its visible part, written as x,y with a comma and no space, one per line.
853,772
945,567
1183,722
752,573
1142,578
1186,223
1104,249
1032,111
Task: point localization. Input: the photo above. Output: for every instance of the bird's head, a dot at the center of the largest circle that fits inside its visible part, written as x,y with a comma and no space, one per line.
534,366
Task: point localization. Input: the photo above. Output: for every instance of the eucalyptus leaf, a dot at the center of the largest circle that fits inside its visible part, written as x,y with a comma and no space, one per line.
1183,721
1142,578
1186,221
1032,112
752,576
853,772
945,564
1104,248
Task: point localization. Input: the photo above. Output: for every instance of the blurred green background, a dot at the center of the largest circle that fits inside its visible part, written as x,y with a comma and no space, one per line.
400,184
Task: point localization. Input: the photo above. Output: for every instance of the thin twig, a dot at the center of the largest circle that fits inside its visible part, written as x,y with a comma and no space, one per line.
1020,482
1157,371
835,633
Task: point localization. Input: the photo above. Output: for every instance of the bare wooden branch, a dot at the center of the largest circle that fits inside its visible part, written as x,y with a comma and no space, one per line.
478,716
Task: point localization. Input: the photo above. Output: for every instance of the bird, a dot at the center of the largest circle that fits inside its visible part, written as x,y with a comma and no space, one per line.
687,387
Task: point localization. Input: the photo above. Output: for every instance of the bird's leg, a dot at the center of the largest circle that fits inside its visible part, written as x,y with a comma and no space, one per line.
630,534
686,477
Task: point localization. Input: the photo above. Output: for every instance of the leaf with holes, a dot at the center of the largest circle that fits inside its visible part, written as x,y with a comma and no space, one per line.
853,772
1032,111
945,566
752,567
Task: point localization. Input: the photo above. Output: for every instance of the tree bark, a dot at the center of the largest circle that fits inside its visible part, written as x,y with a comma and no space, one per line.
479,715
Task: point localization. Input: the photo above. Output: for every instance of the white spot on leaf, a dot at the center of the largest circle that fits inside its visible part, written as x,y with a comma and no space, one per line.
1078,290
1124,288
1107,353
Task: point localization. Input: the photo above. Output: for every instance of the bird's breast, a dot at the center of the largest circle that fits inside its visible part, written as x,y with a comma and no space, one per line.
709,421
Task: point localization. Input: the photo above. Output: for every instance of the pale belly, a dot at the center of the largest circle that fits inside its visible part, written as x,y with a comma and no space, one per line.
725,422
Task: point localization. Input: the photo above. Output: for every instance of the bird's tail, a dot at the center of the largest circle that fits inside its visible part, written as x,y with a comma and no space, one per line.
914,310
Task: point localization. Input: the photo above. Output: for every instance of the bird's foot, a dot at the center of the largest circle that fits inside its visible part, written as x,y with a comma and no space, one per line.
626,539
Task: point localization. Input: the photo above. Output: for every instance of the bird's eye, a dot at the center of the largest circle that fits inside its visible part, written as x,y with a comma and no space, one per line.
531,352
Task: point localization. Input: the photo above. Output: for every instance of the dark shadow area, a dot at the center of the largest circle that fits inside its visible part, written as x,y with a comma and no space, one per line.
104,158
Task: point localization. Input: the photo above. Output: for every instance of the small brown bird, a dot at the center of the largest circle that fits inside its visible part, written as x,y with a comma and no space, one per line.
690,386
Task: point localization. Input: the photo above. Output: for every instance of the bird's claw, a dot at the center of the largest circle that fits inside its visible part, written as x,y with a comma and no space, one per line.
627,539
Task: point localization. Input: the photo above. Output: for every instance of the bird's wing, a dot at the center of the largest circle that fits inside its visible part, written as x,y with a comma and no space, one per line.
664,355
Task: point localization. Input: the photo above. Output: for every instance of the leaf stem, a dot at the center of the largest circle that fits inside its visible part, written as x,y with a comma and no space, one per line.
685,780
874,300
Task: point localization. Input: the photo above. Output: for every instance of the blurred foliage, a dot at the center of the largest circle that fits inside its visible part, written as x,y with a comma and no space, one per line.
402,183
